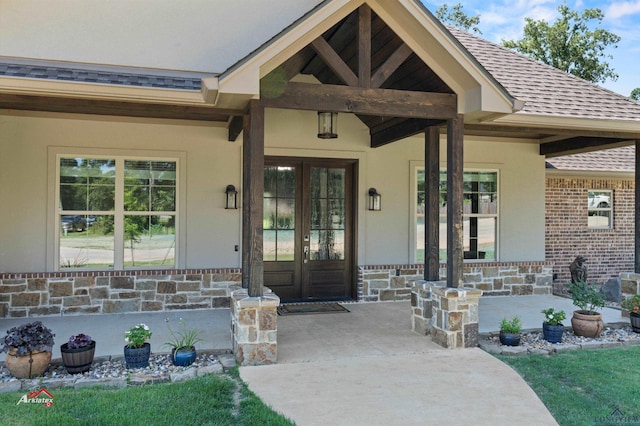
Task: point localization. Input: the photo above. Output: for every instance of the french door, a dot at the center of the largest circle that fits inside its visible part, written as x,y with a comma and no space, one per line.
309,228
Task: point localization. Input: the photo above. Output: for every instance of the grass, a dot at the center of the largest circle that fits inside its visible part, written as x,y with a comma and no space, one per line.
210,400
585,387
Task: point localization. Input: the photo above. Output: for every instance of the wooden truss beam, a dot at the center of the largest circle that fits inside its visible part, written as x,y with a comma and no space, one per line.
356,100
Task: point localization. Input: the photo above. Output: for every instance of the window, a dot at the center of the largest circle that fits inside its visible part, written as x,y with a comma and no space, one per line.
116,213
600,209
480,215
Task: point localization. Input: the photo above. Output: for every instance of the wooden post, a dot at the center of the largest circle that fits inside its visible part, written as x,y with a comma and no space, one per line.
432,204
252,196
455,194
637,210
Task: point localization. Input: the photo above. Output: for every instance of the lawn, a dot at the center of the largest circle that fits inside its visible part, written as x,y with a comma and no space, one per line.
211,400
585,387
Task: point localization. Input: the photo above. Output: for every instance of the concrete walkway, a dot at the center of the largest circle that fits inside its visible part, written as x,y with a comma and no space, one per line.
366,367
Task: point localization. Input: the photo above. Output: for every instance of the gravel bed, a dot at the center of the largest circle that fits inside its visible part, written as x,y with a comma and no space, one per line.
160,366
533,342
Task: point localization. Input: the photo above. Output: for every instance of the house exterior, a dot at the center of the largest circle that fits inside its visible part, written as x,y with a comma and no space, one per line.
120,143
590,212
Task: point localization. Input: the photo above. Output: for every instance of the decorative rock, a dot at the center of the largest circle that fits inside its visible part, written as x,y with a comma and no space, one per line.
87,383
180,376
212,369
612,290
7,387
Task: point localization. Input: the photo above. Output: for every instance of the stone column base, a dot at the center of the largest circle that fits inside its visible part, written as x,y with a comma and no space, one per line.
455,317
254,327
421,306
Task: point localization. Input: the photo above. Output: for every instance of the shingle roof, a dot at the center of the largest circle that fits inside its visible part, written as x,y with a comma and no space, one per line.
544,89
608,160
104,76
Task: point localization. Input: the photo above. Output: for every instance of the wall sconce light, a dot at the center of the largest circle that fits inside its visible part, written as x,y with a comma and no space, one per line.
375,200
232,197
327,125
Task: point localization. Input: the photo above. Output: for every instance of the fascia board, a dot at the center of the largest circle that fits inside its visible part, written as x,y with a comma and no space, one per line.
547,121
33,86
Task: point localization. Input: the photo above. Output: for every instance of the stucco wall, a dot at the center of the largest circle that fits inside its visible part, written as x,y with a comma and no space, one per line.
209,232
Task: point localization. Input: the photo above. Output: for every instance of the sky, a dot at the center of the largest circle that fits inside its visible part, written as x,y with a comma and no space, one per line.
505,19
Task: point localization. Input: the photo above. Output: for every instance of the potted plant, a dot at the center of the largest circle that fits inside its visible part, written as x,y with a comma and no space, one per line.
552,328
137,350
632,305
28,348
586,321
182,344
77,353
510,331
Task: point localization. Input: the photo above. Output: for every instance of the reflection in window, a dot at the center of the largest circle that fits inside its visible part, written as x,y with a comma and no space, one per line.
327,214
480,215
600,209
279,215
90,220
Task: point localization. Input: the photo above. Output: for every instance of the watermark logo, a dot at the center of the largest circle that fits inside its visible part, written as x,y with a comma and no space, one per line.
42,396
618,417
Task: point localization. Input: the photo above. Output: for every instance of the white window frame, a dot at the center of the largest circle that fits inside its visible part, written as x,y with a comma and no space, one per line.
415,166
600,209
53,218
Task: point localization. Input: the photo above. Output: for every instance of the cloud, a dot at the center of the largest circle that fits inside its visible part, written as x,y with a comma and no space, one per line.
623,9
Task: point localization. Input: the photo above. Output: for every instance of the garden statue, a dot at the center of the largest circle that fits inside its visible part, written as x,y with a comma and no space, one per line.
578,270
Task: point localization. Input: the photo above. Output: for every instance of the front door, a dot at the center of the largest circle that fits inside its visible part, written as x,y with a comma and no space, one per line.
309,228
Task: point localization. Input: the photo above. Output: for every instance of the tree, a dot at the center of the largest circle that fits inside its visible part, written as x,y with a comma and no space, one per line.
457,18
635,94
569,44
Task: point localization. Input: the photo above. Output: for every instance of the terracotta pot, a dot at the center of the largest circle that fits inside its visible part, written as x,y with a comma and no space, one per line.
78,360
587,324
27,366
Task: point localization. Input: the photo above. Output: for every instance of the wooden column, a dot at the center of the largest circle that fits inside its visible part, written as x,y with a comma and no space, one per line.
252,196
432,204
455,193
637,210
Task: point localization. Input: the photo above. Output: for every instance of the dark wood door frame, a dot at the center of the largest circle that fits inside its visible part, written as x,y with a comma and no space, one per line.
298,280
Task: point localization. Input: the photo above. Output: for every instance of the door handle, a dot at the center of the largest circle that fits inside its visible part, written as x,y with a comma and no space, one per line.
306,254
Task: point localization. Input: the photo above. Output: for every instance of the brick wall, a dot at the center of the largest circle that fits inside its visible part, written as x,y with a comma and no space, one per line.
394,282
609,252
68,293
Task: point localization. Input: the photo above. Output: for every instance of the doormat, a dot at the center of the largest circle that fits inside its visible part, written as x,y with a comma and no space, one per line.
310,308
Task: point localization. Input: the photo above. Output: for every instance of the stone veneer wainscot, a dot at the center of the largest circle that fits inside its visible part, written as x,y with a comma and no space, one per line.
379,283
69,293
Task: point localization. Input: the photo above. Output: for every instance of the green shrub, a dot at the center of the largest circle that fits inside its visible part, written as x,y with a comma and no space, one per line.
513,326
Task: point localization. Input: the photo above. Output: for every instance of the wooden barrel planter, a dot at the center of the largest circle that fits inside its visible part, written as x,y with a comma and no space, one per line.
78,360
